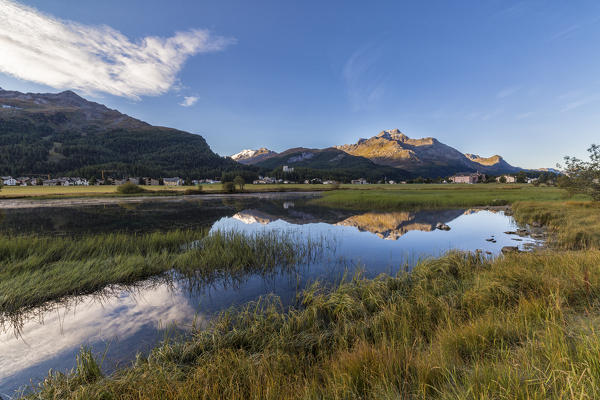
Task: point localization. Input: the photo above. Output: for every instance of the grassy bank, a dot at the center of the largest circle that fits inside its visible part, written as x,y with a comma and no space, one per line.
40,269
435,196
523,326
572,224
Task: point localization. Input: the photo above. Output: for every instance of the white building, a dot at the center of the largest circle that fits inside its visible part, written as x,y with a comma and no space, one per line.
9,181
173,181
287,169
508,178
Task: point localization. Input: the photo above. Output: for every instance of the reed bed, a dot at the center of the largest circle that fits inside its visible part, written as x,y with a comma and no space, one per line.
35,270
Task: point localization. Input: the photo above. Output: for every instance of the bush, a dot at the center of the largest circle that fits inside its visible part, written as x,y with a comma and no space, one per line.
129,188
197,190
229,187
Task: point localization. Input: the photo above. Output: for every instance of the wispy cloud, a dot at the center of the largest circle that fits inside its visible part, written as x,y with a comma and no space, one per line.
365,84
189,101
566,32
484,116
524,115
67,55
507,92
580,102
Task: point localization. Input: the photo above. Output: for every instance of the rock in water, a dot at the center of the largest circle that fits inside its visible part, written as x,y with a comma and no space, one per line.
442,226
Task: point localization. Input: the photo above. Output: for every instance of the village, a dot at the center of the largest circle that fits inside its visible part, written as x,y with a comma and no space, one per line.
77,181
465,178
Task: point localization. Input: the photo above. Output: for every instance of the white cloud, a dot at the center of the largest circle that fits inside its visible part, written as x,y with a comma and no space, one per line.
67,55
189,101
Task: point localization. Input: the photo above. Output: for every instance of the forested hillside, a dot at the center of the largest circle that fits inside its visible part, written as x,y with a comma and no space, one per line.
64,134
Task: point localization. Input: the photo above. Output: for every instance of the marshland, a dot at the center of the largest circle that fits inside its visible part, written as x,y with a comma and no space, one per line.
298,297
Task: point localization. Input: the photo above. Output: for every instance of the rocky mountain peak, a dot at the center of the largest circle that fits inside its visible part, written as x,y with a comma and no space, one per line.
249,156
393,134
487,161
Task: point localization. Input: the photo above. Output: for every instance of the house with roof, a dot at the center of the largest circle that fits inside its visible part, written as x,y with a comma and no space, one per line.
469,178
9,181
173,181
507,179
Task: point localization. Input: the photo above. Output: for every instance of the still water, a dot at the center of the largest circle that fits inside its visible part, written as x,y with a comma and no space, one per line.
123,321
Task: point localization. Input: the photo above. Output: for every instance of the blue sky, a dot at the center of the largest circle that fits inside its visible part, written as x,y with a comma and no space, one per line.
516,78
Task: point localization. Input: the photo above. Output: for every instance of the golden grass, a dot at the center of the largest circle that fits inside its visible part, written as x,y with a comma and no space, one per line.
572,225
458,327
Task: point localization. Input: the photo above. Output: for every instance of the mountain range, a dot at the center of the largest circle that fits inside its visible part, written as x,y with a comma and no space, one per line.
390,149
63,133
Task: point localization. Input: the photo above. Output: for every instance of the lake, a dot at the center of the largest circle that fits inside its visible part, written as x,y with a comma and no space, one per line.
122,321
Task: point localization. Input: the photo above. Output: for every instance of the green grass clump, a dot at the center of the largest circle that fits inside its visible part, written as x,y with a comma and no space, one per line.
521,326
436,196
40,269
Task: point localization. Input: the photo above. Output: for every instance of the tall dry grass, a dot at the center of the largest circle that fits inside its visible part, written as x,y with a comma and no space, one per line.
523,326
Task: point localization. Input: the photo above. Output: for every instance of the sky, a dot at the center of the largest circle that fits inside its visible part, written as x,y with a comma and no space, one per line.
515,78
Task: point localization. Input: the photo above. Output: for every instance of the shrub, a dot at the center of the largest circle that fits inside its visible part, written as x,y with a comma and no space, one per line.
129,188
229,187
197,190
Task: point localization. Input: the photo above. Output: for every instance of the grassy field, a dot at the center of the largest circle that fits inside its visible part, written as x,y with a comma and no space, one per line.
91,191
36,270
390,197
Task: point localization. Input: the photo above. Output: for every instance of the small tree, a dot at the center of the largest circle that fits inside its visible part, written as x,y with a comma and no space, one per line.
583,176
239,182
502,179
92,181
229,187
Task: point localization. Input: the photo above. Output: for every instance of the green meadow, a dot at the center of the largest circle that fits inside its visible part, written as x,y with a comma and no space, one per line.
392,197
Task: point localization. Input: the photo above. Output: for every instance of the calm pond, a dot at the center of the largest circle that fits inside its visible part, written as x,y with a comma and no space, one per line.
122,321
